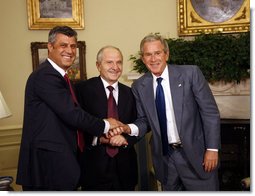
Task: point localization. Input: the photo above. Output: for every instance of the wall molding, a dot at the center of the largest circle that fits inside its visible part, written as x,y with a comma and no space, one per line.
10,135
10,127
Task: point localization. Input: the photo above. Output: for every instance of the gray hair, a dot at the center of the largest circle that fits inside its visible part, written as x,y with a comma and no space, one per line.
68,31
100,53
154,37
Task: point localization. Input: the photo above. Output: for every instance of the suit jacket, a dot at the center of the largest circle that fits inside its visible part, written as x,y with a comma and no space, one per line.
48,146
196,113
97,166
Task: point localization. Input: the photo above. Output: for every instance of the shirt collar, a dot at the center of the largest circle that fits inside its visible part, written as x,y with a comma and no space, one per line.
114,85
164,75
56,67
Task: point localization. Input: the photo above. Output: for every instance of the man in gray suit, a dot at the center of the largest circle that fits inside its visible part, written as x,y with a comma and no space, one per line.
189,159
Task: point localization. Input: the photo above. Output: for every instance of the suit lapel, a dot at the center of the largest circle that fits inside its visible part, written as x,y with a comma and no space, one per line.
101,96
147,94
121,102
176,86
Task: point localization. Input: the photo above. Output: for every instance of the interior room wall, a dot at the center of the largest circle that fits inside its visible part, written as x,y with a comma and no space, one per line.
119,23
115,22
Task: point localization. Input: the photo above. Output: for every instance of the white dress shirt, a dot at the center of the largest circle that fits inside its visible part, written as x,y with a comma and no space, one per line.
115,93
172,132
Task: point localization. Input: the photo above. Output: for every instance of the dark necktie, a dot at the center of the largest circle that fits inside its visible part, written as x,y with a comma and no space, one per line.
161,110
112,113
80,139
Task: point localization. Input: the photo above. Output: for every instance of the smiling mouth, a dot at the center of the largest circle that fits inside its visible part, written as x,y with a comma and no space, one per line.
67,57
114,73
154,65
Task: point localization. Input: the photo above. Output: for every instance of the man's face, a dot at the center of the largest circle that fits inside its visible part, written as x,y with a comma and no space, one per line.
63,51
154,57
111,66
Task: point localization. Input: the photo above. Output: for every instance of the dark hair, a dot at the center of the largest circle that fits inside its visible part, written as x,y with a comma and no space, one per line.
68,31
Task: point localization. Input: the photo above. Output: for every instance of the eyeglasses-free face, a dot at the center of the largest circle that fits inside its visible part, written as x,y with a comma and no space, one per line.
154,57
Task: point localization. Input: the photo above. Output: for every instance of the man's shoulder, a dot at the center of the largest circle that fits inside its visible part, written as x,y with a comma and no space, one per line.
184,70
124,86
44,75
143,79
42,68
88,84
183,67
88,81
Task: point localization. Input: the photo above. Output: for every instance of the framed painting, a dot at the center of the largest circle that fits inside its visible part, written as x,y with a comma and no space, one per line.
76,72
45,14
210,16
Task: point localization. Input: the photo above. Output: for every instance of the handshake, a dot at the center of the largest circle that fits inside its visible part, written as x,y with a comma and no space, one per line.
113,136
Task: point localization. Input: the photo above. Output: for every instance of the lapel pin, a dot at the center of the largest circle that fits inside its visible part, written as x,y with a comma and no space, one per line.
179,85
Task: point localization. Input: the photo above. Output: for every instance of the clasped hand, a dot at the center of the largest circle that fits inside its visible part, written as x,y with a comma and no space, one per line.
113,136
117,128
117,140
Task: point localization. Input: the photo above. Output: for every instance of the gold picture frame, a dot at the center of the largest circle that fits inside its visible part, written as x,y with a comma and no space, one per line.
76,72
45,14
210,16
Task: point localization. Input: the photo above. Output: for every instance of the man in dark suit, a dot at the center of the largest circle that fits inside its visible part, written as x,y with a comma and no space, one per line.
101,172
186,133
48,151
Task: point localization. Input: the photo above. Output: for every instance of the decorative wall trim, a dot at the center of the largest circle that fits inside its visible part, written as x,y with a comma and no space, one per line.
221,88
10,137
10,127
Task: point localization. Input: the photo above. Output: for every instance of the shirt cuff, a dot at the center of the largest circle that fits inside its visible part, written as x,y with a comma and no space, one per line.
94,142
107,126
211,149
134,130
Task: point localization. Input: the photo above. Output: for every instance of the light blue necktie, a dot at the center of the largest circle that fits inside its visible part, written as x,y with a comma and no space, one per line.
161,110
